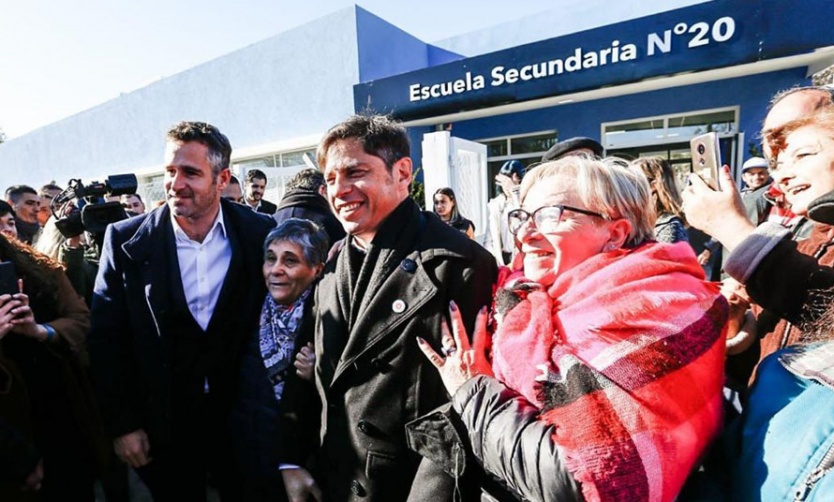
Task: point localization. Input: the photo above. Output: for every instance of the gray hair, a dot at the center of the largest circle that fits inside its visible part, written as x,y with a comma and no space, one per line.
606,186
310,237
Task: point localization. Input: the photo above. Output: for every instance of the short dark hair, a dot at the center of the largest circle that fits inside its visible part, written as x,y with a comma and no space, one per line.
15,192
5,209
129,195
310,237
234,181
306,179
380,135
255,174
219,148
50,186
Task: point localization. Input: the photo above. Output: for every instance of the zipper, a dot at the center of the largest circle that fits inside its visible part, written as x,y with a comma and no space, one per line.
824,467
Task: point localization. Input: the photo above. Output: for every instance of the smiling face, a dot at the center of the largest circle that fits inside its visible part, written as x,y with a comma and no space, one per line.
576,238
286,272
360,188
192,190
805,168
755,177
255,190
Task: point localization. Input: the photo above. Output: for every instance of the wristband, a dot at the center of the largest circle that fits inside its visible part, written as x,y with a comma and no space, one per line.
50,332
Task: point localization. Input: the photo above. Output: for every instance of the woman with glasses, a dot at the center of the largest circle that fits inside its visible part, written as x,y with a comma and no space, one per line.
446,207
605,375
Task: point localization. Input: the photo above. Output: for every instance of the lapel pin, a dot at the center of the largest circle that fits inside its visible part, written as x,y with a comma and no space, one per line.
398,306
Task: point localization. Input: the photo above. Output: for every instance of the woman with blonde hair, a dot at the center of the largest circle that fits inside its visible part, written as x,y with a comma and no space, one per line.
670,225
606,369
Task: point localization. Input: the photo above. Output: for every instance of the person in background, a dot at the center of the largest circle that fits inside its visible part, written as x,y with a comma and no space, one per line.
254,192
446,207
133,204
593,392
232,191
46,403
47,193
499,242
305,197
573,146
26,204
278,360
8,225
670,226
757,180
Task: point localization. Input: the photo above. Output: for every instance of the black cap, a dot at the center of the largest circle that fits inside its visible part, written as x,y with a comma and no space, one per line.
562,148
512,167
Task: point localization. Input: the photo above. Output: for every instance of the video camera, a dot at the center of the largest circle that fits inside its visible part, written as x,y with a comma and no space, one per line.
83,207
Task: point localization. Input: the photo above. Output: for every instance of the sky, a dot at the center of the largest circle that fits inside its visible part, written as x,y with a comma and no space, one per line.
61,57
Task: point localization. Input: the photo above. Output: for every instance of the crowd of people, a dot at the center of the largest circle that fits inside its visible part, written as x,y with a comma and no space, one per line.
344,344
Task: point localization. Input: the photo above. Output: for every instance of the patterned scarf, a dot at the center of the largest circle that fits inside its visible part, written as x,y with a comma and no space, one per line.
277,334
624,354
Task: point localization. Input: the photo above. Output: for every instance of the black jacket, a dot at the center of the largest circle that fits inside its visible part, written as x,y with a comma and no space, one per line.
370,374
309,205
492,426
132,332
267,207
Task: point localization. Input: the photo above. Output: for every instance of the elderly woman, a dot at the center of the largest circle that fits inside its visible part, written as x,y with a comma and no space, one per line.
607,367
277,368
782,447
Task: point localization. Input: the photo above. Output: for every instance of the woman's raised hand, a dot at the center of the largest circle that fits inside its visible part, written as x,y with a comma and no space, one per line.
462,361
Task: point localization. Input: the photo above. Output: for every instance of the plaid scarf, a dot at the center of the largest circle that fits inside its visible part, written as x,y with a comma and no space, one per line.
624,354
277,334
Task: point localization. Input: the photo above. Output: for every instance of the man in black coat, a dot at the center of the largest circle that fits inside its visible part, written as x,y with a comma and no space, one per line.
255,188
177,291
392,281
305,198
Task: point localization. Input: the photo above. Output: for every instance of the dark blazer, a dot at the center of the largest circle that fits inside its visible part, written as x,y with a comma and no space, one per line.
132,333
267,207
257,421
371,376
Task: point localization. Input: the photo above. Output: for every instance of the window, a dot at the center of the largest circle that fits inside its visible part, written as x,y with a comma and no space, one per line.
526,148
669,129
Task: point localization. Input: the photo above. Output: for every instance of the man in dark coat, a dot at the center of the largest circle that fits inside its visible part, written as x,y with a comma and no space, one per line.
255,188
177,291
305,198
392,281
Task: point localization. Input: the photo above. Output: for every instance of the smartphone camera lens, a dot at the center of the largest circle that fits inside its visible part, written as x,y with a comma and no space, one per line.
701,148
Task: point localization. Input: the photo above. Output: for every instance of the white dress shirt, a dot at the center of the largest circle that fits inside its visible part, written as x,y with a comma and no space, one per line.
203,268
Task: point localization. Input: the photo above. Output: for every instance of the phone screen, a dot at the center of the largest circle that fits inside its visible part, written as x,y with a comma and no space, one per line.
8,279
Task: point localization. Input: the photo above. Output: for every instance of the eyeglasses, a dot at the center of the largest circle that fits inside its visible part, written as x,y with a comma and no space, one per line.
546,218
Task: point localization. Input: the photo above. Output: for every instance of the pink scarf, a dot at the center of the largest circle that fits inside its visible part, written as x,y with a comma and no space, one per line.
624,354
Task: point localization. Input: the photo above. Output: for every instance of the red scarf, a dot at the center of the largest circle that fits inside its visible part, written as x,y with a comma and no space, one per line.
624,354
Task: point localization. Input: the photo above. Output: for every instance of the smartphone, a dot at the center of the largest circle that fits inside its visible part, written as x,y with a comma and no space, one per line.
8,279
706,157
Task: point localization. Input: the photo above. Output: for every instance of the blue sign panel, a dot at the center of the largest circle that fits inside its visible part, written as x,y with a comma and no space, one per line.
701,37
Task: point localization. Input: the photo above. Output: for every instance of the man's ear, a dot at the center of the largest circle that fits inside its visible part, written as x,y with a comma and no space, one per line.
620,229
402,171
223,179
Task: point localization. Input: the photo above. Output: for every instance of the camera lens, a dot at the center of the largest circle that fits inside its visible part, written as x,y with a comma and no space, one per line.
701,148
